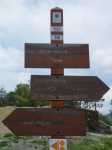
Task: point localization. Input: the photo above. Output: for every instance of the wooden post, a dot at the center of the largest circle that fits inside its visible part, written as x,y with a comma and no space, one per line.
57,71
57,68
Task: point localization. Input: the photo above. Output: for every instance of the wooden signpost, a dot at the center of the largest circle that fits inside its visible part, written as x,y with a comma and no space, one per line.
79,88
46,122
56,121
46,55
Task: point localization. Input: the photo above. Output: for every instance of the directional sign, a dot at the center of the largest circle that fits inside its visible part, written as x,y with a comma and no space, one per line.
57,144
67,87
46,55
46,122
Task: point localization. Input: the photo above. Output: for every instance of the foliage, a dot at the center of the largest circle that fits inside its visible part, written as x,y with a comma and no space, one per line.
10,141
105,119
92,119
19,97
3,98
91,144
22,95
11,98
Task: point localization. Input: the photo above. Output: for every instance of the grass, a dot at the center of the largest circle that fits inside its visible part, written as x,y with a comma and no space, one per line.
80,143
40,142
90,144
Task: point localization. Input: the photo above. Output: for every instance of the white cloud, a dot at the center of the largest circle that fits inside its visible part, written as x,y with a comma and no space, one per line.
12,67
9,79
106,104
11,59
20,24
103,60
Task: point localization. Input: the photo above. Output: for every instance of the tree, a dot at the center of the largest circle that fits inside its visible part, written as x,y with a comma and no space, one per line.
11,98
22,95
23,90
3,99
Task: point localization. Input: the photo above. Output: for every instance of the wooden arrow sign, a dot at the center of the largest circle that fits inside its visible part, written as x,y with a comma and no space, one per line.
46,55
89,88
46,122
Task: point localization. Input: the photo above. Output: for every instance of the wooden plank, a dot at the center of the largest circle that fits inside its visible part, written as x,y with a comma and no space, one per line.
46,55
81,88
46,122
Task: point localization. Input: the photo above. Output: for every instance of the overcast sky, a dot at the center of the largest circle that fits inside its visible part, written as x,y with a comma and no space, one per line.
85,21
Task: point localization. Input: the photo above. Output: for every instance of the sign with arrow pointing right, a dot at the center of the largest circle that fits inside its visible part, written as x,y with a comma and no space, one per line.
81,88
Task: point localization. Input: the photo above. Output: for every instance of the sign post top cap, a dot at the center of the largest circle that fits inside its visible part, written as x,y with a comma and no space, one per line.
56,8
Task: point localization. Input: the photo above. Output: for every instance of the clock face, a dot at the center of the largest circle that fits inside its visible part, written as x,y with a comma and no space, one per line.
56,17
